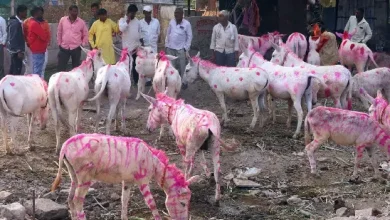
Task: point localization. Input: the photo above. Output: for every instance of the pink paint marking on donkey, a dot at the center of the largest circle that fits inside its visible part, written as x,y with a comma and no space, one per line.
73,93
344,128
115,79
235,83
150,164
354,54
261,44
193,128
20,95
379,109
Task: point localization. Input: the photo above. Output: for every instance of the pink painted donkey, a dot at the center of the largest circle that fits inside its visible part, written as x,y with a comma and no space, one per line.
70,90
145,66
235,83
371,81
115,80
297,43
261,44
379,109
337,78
344,128
166,79
20,95
123,160
354,54
285,83
194,129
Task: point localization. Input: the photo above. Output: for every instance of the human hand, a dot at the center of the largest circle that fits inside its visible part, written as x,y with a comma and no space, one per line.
21,55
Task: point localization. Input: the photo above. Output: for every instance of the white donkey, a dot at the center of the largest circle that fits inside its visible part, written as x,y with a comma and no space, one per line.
297,43
233,82
286,83
115,79
20,95
313,57
261,44
371,81
352,53
70,90
337,78
145,66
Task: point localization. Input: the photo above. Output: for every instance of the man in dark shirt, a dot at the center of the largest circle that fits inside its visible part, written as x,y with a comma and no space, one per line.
16,41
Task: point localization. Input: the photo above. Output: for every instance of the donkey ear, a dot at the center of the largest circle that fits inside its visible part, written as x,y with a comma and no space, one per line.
366,95
379,93
340,35
150,99
85,50
194,179
275,46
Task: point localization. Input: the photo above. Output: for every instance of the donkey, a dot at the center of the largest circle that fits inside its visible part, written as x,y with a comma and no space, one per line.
115,79
297,43
20,95
123,160
233,82
194,129
70,90
145,66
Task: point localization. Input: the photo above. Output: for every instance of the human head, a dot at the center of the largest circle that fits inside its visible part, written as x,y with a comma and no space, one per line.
102,14
37,12
223,16
359,13
131,11
21,11
148,12
73,11
179,13
94,8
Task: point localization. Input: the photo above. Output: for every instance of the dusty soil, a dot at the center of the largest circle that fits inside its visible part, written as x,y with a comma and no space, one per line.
284,173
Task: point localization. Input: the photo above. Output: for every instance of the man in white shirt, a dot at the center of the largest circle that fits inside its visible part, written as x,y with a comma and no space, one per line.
224,41
178,40
130,27
150,30
3,41
360,25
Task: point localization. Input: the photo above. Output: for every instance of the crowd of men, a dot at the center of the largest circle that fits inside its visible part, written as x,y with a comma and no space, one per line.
29,37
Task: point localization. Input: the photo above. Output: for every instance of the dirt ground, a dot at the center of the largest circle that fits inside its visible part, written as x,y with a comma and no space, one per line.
284,170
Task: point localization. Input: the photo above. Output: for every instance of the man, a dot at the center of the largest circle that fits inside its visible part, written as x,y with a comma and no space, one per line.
94,9
26,28
178,40
327,48
130,27
15,42
150,31
38,39
3,40
71,34
224,41
360,25
103,29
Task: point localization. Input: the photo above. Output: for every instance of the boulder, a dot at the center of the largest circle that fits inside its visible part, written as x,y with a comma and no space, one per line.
45,209
14,211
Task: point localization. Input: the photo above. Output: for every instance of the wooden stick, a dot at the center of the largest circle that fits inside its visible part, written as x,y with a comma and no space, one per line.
59,166
98,203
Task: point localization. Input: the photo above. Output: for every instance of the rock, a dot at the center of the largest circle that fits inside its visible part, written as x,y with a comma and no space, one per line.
4,195
245,183
45,209
254,192
338,203
322,159
251,172
269,193
50,195
294,200
367,212
115,196
341,211
301,154
14,211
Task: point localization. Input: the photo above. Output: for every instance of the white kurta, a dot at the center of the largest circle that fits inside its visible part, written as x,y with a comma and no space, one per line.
150,33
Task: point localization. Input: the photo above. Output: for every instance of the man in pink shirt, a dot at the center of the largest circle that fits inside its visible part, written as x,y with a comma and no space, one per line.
71,34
